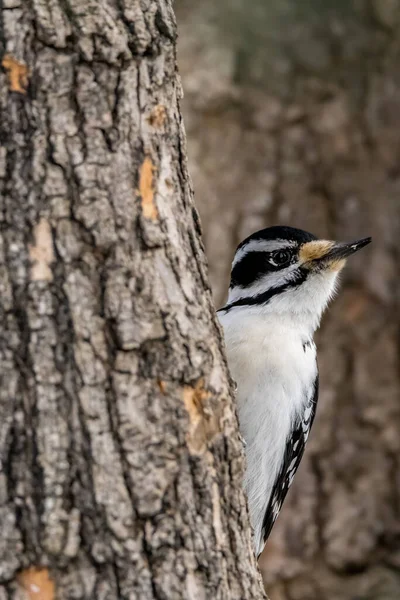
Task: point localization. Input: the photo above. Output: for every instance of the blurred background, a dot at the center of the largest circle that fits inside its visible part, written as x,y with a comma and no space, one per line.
292,112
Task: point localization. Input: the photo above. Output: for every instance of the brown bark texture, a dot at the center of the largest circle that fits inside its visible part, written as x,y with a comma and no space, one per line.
120,460
293,117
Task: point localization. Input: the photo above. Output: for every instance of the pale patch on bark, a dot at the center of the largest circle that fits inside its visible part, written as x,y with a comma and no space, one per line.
195,591
203,426
157,116
37,584
17,74
217,523
42,253
163,387
146,189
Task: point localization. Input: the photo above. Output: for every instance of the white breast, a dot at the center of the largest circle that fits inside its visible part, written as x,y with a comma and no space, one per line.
274,373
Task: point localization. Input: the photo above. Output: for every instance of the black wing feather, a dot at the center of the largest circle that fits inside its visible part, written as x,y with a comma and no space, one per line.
293,455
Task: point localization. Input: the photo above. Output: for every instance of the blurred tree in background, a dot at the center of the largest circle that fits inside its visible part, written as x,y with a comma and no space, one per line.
292,111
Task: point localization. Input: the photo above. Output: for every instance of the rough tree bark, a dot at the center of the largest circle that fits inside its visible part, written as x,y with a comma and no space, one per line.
120,462
295,118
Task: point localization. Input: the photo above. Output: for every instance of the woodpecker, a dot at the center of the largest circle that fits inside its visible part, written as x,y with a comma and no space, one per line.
281,282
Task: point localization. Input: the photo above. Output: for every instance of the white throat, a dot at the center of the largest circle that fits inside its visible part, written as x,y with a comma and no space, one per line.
300,307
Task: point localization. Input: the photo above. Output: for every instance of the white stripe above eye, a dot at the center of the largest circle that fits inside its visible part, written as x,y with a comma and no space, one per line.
261,246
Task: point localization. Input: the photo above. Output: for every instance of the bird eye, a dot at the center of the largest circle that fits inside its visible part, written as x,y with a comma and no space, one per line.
280,258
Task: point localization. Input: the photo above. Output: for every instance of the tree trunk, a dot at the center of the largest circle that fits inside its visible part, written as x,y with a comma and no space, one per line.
295,119
120,461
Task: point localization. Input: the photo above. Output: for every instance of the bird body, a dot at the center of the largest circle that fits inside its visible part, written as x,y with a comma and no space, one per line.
281,282
276,362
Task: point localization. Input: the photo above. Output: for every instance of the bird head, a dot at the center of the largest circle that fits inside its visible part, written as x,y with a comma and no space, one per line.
287,270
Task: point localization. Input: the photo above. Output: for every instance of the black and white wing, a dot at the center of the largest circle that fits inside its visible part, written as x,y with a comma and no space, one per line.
293,455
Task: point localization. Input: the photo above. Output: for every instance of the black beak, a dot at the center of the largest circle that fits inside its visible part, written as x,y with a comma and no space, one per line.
343,250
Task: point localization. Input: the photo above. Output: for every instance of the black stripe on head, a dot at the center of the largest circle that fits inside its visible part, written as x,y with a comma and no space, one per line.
263,298
280,233
250,268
